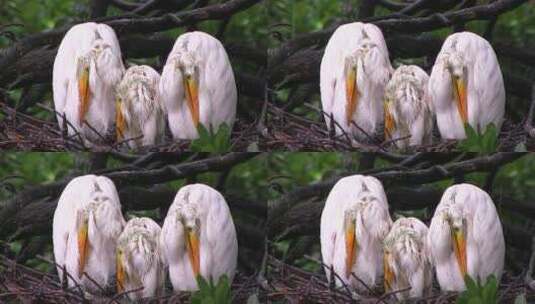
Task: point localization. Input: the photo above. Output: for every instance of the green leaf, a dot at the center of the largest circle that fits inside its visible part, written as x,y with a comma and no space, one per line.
210,142
222,291
481,143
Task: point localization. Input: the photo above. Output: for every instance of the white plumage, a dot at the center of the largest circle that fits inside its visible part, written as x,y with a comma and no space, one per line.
466,237
197,85
353,74
466,86
139,261
139,110
87,68
86,225
354,223
198,237
407,107
406,259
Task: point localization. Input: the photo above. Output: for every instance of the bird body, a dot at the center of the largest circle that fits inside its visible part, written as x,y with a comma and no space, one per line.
139,261
86,225
354,223
87,68
198,237
406,261
198,86
353,74
408,115
139,112
466,237
466,86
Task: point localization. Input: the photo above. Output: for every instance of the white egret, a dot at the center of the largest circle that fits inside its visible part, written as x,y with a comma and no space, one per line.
466,86
408,115
198,86
353,74
354,223
139,112
198,237
87,222
139,261
87,68
406,261
466,237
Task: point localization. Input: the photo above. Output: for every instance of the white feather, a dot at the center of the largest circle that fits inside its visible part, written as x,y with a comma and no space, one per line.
205,207
485,87
217,87
97,196
372,77
485,244
373,224
106,70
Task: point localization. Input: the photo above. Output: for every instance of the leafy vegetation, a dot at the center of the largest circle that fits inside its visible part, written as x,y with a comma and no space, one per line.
209,293
209,141
476,293
484,143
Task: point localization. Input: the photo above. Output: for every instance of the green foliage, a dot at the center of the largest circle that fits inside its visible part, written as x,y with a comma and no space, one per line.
209,293
209,141
485,143
479,294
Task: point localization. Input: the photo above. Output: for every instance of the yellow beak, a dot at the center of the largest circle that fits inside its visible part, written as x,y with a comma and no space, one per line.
192,245
351,246
83,92
83,244
460,95
119,272
390,125
459,247
351,94
119,120
389,275
192,96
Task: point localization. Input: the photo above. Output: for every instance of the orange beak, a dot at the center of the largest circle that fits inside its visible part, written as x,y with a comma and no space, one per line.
83,91
389,275
192,96
119,120
390,125
351,245
119,272
83,245
460,95
192,245
351,94
459,247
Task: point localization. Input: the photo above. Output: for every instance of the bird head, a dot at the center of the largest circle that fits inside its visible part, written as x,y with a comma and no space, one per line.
457,227
187,65
456,68
187,215
401,244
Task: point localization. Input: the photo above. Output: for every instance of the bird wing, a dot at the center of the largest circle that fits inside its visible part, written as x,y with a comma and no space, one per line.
220,233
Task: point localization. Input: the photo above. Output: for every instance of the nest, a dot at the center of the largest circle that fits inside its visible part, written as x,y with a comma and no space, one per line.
294,285
20,131
288,131
19,283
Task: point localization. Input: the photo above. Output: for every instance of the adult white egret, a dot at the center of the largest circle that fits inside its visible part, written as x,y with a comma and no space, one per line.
465,237
466,86
139,260
87,68
139,111
197,85
353,74
406,260
354,223
408,116
198,237
87,222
